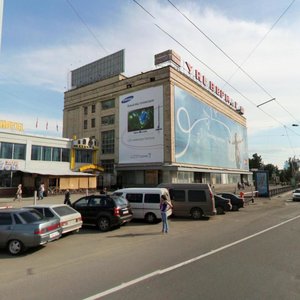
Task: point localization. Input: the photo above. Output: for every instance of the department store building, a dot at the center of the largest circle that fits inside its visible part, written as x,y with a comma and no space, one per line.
169,124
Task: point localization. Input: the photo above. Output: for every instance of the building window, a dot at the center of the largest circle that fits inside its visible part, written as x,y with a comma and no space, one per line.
47,153
56,154
36,152
6,150
85,110
93,123
19,151
93,108
108,165
85,123
108,120
12,151
83,156
108,142
107,104
65,155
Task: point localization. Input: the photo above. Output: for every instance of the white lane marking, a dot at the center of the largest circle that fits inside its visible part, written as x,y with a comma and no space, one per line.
171,268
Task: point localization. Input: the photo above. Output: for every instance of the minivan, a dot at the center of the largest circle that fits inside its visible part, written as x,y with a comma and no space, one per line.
195,200
145,202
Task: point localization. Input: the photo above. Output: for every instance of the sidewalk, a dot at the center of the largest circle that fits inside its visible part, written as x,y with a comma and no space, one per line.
56,199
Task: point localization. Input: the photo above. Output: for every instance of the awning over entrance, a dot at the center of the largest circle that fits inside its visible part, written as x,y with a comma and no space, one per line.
55,172
91,167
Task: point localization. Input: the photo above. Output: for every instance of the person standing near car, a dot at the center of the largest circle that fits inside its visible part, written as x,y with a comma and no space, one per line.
19,193
67,198
165,205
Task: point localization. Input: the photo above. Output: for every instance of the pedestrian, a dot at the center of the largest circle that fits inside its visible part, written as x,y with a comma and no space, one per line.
19,193
165,205
41,191
67,198
104,191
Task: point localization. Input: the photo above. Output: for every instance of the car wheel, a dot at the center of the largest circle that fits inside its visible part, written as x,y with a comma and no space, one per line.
196,213
103,224
150,218
235,208
220,210
15,247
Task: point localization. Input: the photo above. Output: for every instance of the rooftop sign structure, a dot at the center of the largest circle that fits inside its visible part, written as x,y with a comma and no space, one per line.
100,69
9,125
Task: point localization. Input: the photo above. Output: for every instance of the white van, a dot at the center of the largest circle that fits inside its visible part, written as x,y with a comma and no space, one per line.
145,202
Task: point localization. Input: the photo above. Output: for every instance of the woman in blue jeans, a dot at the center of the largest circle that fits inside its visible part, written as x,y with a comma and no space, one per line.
165,205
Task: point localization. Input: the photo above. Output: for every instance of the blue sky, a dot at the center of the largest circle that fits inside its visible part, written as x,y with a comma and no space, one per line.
43,40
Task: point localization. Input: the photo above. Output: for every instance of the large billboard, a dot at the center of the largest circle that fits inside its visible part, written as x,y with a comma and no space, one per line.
141,126
100,69
205,136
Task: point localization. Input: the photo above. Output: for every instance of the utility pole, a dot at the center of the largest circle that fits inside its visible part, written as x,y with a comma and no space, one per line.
1,20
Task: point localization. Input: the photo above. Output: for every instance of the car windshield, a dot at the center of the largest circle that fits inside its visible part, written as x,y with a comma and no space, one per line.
297,191
120,201
64,210
31,216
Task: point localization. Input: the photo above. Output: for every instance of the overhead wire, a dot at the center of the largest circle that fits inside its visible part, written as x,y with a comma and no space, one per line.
239,66
86,25
211,69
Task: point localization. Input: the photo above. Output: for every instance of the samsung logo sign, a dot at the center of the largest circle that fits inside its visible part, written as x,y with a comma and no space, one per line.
127,99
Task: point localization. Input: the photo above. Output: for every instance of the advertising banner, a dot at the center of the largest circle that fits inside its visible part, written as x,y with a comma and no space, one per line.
205,136
141,126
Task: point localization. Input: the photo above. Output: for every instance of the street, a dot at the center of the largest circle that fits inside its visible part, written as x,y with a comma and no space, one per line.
249,254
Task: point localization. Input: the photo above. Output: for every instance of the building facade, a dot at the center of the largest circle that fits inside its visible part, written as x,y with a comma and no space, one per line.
31,160
169,124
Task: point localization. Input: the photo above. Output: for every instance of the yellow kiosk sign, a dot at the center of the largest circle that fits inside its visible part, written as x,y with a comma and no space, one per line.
11,125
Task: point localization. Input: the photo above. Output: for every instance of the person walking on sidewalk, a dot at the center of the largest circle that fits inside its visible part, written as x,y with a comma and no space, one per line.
165,205
67,198
19,193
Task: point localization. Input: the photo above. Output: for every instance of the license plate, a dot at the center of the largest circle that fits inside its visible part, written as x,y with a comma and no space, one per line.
125,211
54,234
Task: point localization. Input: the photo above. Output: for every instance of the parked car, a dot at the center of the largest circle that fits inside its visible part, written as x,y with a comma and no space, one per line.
104,211
236,201
296,195
194,200
145,202
222,204
70,219
22,228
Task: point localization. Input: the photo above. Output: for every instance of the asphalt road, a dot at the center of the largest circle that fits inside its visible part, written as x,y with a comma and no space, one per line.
250,254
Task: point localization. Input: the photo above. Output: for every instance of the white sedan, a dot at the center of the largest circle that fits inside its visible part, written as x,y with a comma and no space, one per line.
69,218
296,195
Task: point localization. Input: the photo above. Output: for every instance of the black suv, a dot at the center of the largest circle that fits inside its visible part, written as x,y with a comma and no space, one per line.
236,201
103,211
222,204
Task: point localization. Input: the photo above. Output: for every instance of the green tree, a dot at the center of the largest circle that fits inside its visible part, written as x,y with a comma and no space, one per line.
255,162
273,171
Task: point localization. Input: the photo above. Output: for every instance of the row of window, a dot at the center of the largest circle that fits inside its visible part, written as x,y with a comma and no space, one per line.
50,153
105,121
107,104
12,151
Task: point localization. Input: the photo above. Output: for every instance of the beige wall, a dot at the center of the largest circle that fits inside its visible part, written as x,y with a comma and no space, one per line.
112,88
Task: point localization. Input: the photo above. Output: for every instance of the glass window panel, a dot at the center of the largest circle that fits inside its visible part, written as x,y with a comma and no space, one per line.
152,198
107,104
108,141
6,150
65,154
19,151
56,154
47,153
108,120
36,152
